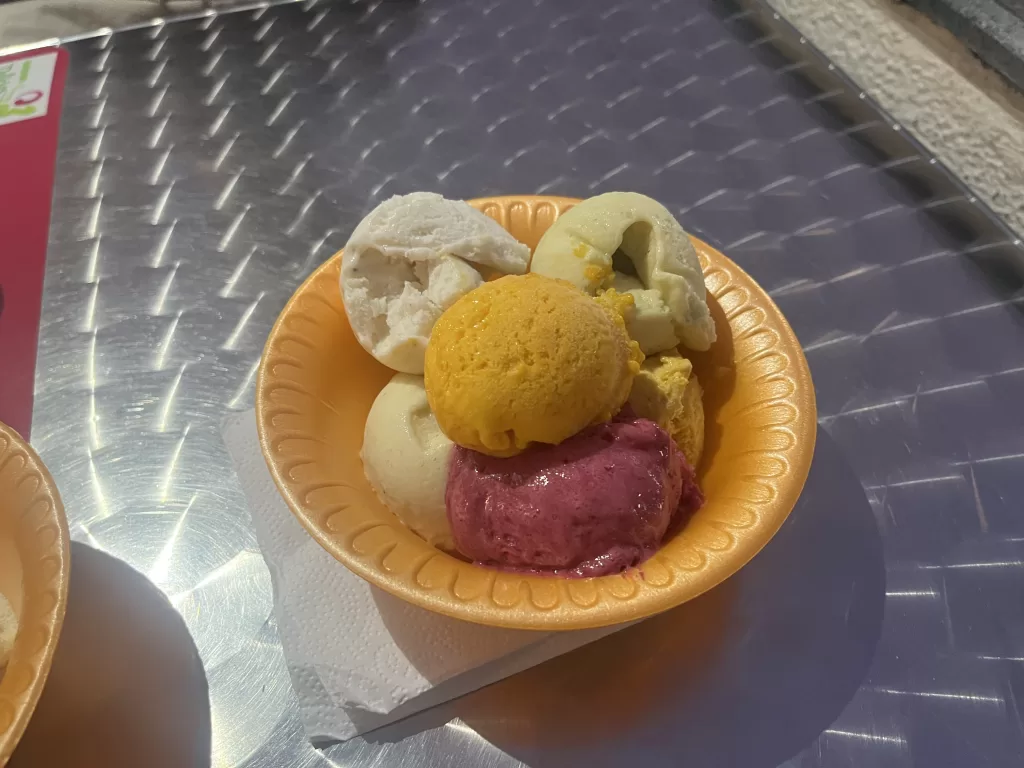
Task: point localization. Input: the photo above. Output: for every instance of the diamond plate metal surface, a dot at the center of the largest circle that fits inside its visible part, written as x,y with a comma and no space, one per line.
207,166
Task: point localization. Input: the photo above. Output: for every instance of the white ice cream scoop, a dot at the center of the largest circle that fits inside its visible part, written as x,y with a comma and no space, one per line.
670,300
405,458
410,259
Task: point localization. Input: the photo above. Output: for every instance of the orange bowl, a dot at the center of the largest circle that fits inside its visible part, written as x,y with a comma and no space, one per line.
316,385
35,562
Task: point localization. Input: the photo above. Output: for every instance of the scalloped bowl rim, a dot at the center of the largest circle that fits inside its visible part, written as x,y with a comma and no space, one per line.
28,667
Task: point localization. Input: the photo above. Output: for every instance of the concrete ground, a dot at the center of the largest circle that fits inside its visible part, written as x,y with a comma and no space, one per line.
28,21
923,76
965,113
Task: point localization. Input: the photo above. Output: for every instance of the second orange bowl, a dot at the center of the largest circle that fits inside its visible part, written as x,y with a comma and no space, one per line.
35,565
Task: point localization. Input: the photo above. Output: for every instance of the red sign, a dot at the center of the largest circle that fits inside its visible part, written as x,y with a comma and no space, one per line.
31,88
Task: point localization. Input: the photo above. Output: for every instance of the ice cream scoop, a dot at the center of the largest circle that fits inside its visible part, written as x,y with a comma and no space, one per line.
597,503
405,458
408,261
667,392
657,264
8,631
527,359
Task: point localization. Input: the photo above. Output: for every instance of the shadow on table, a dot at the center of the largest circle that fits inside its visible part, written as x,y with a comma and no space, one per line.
746,675
127,688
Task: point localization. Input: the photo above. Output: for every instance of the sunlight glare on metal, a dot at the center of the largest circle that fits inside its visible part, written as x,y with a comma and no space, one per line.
158,572
172,464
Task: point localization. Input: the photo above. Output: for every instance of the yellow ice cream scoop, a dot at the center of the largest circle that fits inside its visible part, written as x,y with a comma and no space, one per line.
527,359
667,392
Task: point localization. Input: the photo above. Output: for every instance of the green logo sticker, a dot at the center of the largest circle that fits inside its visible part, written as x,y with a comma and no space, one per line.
25,87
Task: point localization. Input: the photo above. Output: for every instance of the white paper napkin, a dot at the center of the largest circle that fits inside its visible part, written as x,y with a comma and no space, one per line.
358,657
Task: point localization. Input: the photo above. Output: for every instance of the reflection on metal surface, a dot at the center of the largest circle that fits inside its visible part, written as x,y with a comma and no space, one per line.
873,737
207,166
968,697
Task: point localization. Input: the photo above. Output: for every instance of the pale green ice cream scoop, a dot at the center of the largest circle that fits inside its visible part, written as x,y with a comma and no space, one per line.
670,300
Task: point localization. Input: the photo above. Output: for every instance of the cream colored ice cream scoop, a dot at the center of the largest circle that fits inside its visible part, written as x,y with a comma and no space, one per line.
408,261
670,300
8,631
405,458
667,392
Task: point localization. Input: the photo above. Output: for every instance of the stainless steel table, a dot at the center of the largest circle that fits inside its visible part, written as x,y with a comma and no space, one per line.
207,165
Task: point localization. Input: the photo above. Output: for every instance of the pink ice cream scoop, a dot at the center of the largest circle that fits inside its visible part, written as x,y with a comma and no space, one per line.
598,503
